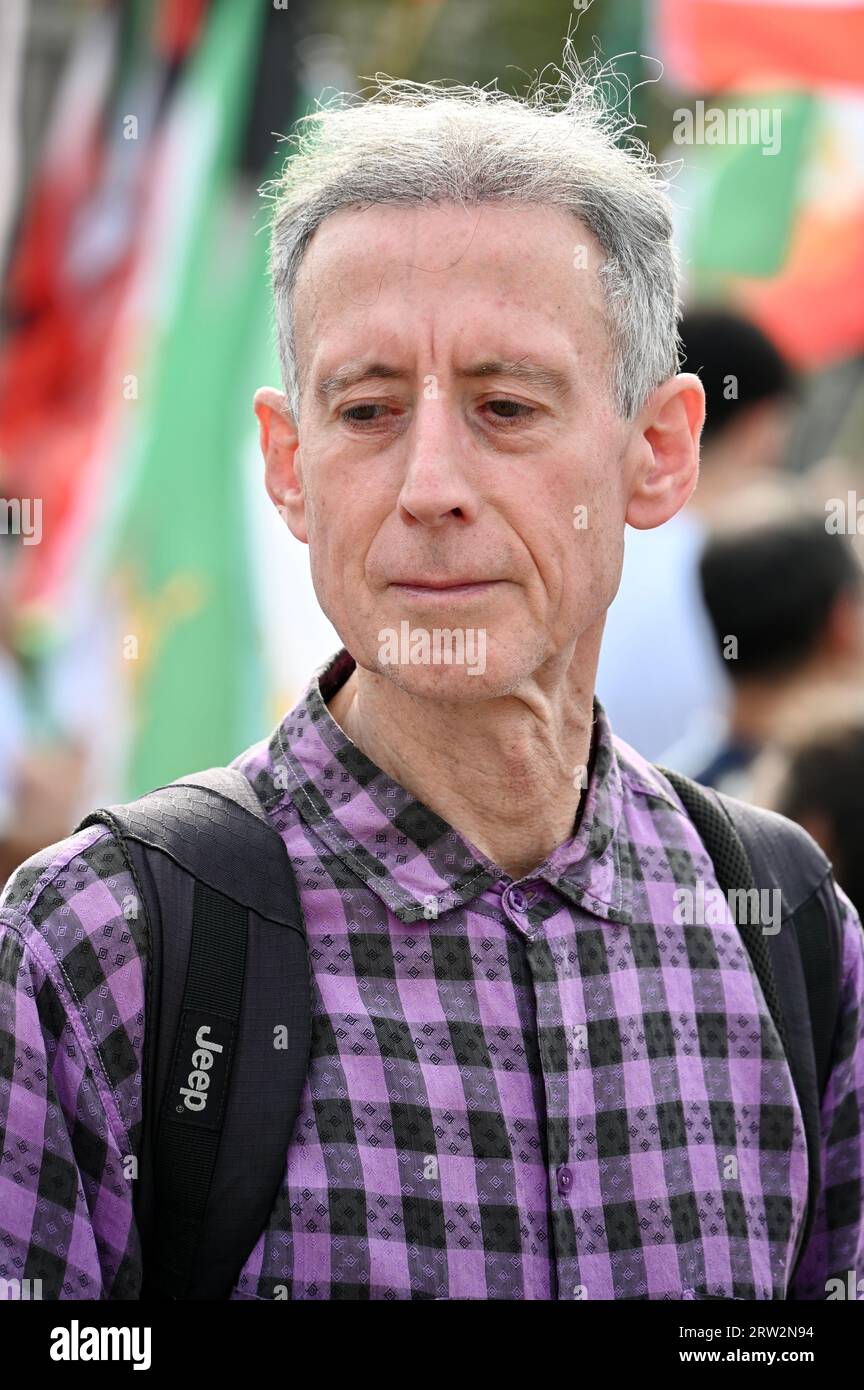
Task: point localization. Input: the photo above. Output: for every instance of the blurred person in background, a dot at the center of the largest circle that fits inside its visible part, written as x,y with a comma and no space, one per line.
43,757
814,774
659,675
785,599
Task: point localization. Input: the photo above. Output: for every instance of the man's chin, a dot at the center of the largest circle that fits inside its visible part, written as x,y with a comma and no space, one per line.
449,664
445,685
466,673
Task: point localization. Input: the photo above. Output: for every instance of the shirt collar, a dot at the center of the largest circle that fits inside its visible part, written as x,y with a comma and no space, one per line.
403,851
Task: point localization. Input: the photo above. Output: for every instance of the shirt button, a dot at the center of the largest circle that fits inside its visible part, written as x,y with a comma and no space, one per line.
565,1180
521,898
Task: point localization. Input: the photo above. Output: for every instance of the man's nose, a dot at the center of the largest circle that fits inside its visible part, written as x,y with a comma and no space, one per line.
437,482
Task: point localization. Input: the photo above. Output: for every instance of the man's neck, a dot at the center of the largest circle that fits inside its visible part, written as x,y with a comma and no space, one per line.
504,772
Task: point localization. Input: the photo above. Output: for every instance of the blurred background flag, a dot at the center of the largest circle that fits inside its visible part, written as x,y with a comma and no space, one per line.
732,43
180,538
739,175
61,307
773,221
139,326
814,306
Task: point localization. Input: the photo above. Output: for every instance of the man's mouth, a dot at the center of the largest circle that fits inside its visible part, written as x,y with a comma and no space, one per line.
444,588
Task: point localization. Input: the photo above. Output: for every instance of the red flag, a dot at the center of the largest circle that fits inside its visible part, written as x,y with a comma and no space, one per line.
714,44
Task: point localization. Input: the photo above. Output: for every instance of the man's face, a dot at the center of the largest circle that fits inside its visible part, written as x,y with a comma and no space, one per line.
457,428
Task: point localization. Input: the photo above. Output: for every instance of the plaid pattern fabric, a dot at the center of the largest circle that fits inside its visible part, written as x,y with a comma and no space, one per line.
517,1090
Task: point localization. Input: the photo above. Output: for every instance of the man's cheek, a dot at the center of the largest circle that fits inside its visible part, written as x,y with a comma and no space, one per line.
598,559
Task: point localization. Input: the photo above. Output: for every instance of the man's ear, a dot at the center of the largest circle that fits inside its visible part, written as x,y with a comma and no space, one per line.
665,464
277,431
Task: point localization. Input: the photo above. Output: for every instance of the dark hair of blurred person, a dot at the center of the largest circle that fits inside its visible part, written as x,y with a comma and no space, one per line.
749,387
786,603
714,340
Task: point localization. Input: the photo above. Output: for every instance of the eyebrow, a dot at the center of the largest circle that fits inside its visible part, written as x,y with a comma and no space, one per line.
351,375
531,373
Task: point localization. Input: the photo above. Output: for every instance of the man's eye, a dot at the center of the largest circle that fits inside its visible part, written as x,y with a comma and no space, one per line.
506,410
363,414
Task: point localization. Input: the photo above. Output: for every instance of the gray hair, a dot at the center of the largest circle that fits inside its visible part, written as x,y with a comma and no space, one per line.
563,145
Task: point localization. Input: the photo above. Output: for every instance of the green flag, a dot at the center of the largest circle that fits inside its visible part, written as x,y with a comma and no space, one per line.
743,219
183,547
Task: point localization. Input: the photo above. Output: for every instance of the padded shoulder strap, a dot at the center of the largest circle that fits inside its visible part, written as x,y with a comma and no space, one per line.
804,953
227,1030
806,959
784,856
732,867
213,826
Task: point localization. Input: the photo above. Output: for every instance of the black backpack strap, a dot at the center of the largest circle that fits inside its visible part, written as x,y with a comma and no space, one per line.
227,1028
806,955
784,856
733,869
803,956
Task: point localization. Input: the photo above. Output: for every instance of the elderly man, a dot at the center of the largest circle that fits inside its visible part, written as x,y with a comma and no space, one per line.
531,1073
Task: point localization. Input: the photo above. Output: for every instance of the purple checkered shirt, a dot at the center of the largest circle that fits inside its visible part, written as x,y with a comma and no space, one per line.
516,1090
